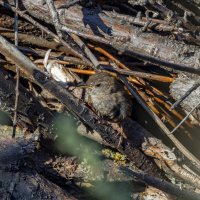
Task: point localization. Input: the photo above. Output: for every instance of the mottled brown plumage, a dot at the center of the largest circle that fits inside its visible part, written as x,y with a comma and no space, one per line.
108,97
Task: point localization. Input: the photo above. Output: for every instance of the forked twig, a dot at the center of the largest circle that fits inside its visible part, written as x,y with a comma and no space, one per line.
185,118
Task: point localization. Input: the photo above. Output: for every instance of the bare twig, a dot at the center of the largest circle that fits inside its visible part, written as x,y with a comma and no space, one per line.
40,52
87,51
17,74
145,75
58,26
54,16
157,24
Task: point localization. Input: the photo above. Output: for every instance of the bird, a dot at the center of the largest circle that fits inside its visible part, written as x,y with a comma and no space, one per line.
108,97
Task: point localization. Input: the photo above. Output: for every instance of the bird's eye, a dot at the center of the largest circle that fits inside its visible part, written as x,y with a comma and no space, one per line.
98,85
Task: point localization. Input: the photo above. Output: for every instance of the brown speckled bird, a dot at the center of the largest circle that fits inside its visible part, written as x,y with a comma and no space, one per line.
108,97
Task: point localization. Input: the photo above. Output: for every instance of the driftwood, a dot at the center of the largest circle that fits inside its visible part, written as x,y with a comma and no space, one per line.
144,37
147,46
134,132
180,51
129,149
184,59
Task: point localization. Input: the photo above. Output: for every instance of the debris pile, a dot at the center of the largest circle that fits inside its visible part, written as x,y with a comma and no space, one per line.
98,97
